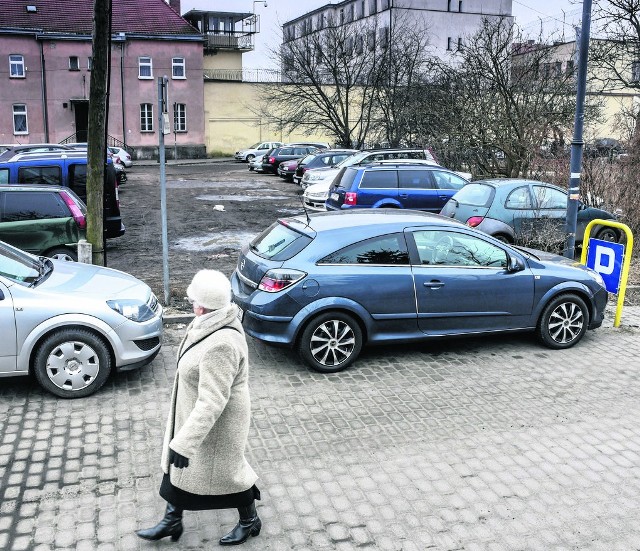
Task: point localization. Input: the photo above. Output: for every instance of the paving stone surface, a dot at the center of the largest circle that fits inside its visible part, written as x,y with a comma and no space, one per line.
492,443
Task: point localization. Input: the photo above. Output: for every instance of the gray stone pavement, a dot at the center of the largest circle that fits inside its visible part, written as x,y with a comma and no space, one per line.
492,443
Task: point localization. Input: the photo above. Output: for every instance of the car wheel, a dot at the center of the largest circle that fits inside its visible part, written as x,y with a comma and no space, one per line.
72,363
563,322
250,158
503,238
331,342
607,234
63,254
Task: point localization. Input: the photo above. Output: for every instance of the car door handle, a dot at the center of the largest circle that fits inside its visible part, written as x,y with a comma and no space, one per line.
404,195
433,284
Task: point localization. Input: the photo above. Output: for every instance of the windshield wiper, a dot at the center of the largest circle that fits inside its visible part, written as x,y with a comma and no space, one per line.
44,269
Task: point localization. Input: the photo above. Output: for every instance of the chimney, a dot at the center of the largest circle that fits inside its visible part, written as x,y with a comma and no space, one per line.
175,4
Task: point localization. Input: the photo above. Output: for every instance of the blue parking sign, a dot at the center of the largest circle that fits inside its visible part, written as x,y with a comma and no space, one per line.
606,258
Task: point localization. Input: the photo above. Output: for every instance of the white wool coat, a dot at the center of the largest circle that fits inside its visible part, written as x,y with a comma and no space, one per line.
210,408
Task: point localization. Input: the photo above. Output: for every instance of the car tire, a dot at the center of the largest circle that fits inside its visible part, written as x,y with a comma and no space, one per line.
250,158
62,253
563,322
330,342
608,234
503,238
72,363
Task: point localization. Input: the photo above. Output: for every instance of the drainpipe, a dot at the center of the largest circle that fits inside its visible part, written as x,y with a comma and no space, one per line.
43,84
124,132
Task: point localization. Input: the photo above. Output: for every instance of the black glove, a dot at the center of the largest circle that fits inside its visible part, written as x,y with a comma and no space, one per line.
179,461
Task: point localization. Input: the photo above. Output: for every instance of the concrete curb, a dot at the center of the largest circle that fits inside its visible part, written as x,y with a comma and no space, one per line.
171,319
182,162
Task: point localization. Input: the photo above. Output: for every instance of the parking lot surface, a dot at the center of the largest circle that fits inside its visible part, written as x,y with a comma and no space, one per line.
477,444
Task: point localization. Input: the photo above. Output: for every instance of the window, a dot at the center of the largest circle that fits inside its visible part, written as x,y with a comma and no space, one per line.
4,176
373,7
449,43
145,67
371,40
146,117
51,175
446,248
180,117
384,36
379,179
415,179
519,198
362,8
78,180
558,68
386,249
635,71
33,205
20,125
178,67
16,66
459,43
359,44
570,67
446,180
341,16
549,198
384,4
74,63
89,63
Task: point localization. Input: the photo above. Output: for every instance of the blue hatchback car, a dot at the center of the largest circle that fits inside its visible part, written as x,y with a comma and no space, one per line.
329,283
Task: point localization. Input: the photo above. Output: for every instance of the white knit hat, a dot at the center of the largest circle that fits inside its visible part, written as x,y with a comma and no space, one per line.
210,289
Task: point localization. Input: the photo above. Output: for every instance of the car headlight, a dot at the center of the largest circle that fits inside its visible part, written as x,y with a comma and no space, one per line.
315,177
132,309
595,275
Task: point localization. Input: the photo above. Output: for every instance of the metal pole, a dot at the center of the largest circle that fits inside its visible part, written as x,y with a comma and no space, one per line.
162,95
577,143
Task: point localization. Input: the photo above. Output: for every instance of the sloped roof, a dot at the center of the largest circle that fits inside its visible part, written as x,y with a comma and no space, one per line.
146,17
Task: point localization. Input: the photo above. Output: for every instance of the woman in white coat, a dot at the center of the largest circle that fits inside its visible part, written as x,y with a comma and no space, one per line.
203,453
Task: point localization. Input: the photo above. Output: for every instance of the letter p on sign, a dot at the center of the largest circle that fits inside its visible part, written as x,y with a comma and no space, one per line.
606,259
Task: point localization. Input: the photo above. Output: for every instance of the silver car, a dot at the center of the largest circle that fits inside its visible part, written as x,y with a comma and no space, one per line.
71,324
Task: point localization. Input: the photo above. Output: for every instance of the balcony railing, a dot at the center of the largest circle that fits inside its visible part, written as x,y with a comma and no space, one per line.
243,75
229,41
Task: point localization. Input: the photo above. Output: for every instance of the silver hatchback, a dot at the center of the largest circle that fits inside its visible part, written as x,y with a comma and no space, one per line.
71,324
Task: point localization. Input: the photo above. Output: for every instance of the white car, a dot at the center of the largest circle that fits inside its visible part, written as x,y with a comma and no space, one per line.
122,155
315,196
256,163
259,148
72,324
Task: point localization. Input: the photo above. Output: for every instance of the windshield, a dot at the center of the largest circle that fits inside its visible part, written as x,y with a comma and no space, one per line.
477,195
355,158
279,242
254,146
18,266
307,159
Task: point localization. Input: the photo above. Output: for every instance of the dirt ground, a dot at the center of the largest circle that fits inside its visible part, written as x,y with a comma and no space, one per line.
200,234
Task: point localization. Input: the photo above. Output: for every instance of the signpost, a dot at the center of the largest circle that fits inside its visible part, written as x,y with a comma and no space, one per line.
163,128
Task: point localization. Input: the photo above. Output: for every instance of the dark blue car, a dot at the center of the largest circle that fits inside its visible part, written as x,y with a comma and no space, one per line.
332,282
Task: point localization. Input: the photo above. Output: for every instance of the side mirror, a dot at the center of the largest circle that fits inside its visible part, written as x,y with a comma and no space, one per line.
515,264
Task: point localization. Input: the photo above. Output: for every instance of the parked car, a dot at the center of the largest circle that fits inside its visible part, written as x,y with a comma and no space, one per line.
271,161
256,162
72,324
122,155
42,220
368,156
329,283
79,146
523,211
322,159
259,148
399,185
12,150
68,168
286,169
604,147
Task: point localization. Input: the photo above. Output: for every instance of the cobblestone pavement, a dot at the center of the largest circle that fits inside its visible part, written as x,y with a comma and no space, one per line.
479,444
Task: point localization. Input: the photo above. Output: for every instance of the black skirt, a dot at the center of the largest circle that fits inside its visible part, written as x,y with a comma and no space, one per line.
195,502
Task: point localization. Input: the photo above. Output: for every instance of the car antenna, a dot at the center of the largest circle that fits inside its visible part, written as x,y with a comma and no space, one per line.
304,207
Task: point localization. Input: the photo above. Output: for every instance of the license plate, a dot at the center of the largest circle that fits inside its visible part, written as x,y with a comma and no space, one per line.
334,196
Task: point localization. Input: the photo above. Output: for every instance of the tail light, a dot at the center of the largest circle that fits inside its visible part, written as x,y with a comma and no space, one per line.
272,160
474,221
80,218
350,198
279,279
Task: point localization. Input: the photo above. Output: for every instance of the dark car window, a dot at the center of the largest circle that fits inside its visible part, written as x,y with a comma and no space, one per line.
345,178
386,249
78,179
285,151
446,248
476,195
550,198
279,242
379,179
415,179
519,198
335,159
446,180
302,150
40,175
32,205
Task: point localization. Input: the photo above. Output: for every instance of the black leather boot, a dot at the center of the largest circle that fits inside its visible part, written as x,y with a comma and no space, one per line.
170,525
249,525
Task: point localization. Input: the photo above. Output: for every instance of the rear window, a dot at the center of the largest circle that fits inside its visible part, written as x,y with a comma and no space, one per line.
40,175
279,242
379,179
345,178
477,195
32,205
78,179
4,176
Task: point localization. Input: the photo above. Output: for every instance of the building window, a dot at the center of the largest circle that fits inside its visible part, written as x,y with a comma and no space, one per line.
449,5
177,67
89,63
570,67
384,4
635,71
341,16
16,66
146,117
459,43
384,36
20,125
74,63
460,6
371,40
351,13
373,6
362,8
449,43
180,117
359,46
145,67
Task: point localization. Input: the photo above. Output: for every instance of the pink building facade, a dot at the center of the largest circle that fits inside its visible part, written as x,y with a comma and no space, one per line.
47,58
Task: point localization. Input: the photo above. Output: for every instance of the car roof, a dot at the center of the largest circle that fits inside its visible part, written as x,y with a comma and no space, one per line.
31,187
45,155
503,182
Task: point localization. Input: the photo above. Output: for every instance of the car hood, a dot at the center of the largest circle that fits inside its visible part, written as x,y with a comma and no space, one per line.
545,256
87,280
321,187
